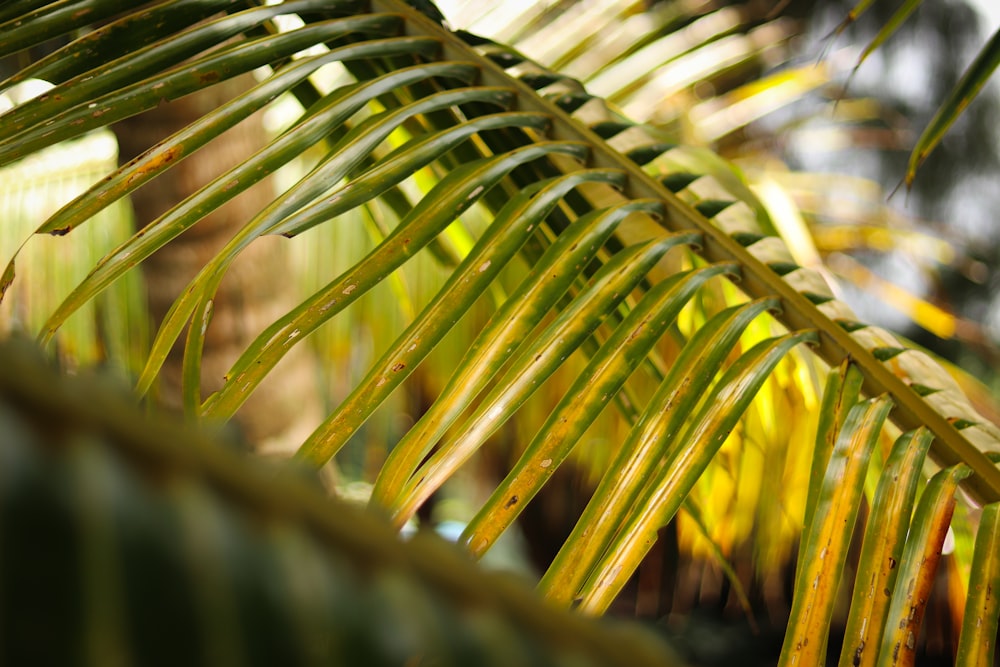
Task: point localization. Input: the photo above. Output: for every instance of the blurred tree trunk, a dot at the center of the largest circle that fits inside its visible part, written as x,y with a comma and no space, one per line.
257,289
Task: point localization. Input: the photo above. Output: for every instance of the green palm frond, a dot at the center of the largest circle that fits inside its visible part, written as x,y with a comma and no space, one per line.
610,235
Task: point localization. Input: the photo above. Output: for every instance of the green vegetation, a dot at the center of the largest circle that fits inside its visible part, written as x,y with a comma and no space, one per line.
595,280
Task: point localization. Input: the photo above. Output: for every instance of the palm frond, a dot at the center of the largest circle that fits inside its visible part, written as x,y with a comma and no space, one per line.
621,229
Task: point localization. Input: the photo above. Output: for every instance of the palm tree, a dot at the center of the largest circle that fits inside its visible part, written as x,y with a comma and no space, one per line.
654,281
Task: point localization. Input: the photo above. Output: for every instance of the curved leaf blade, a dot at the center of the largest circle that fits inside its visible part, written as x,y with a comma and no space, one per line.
841,394
977,641
830,534
40,129
399,164
457,191
332,110
356,146
129,33
685,461
53,20
492,252
187,141
882,548
497,342
889,28
607,371
617,492
919,565
133,34
536,361
972,81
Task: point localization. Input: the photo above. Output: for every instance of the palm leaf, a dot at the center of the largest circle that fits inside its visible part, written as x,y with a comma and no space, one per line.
883,547
976,643
919,563
829,533
550,163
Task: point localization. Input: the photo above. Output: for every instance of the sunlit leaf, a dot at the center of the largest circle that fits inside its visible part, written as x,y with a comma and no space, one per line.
641,454
829,534
882,550
919,565
604,376
977,642
491,253
525,307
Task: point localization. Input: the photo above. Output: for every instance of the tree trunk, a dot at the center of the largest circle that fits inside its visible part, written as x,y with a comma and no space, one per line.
256,290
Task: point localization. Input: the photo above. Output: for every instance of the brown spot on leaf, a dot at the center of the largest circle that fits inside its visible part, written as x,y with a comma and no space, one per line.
398,367
510,503
159,161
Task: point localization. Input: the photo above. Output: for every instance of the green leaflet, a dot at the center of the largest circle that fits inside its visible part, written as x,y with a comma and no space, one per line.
537,360
354,149
977,641
452,195
829,534
127,49
457,191
841,393
398,164
40,128
607,371
7,278
882,548
492,252
888,29
619,489
685,460
331,110
15,8
187,141
52,20
919,565
854,14
497,342
126,35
